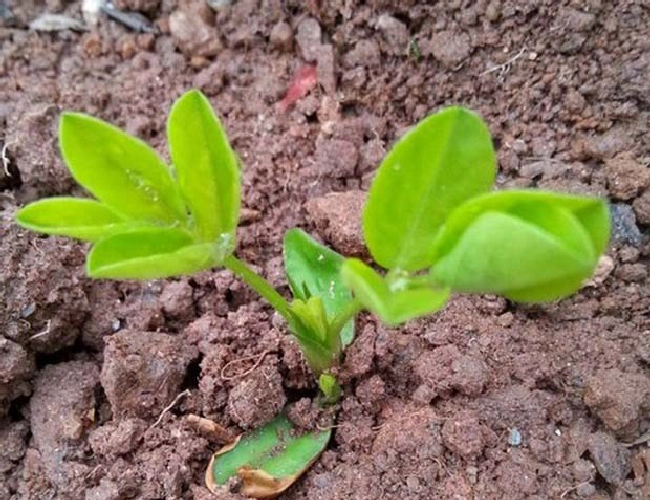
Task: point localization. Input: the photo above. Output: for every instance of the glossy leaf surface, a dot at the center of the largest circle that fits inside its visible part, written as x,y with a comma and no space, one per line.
206,166
529,246
148,253
444,160
393,306
119,170
314,270
267,460
75,217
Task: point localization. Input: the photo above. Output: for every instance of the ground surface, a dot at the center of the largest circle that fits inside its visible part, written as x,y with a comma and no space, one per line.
487,400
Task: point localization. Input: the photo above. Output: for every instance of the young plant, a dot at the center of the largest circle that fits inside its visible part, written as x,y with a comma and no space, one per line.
430,221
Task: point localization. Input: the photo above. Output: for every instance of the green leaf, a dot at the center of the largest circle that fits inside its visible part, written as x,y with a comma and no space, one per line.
310,326
330,388
314,270
443,161
529,246
206,166
150,252
75,217
393,305
267,460
119,170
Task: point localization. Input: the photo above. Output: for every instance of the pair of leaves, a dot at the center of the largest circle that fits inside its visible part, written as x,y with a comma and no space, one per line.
429,209
313,273
443,161
140,222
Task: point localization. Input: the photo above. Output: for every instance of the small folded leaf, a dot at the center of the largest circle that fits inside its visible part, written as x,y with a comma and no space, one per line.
444,160
267,460
150,252
119,170
314,270
392,306
529,246
311,328
330,388
207,167
75,217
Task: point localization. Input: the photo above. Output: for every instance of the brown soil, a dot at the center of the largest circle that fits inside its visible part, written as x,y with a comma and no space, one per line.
486,400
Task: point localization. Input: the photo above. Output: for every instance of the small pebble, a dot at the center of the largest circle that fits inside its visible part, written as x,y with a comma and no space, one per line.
56,22
217,5
281,37
514,438
585,490
624,228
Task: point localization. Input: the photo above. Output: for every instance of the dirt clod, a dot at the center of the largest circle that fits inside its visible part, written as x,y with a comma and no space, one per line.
258,398
192,35
141,5
395,36
308,38
143,371
610,458
619,399
464,435
337,217
62,411
626,177
449,47
281,37
642,208
16,370
117,438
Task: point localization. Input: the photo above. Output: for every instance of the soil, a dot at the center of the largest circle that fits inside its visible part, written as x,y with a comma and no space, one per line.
486,400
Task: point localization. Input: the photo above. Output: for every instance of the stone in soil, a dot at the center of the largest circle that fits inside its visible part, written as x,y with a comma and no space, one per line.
624,228
143,371
337,216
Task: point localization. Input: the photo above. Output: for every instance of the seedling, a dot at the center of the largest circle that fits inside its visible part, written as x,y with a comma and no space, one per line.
430,221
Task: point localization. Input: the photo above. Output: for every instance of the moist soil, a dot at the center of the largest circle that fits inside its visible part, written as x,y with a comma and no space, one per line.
486,400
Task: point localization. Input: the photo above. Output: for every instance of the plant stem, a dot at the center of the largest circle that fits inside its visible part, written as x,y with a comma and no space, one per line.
259,284
352,308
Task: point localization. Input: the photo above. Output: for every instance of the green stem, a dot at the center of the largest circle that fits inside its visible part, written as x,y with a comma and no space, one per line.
259,284
352,308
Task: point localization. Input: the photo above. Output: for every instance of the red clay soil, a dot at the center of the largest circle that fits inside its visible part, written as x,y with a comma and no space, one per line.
486,400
